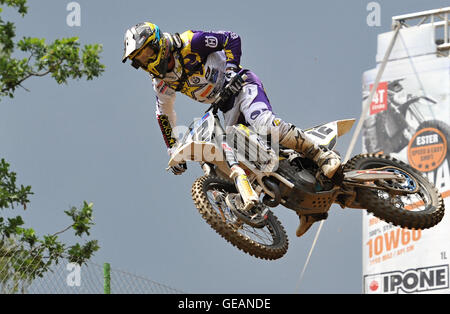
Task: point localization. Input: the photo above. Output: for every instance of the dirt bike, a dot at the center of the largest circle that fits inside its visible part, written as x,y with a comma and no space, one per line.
390,189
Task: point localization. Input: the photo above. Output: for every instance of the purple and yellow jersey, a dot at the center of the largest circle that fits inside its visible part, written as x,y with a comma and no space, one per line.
205,57
201,44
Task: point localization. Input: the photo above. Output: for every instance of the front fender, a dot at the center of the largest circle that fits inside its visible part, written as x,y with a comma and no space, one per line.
197,151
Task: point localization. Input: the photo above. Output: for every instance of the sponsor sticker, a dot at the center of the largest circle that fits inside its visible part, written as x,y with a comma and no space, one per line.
226,147
409,281
427,149
255,114
379,101
211,41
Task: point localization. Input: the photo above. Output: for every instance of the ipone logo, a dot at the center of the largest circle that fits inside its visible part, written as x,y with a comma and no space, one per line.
409,281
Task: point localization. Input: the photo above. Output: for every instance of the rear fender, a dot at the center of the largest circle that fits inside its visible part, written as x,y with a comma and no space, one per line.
326,134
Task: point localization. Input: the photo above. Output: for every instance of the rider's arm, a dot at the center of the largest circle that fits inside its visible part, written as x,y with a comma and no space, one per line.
205,43
165,113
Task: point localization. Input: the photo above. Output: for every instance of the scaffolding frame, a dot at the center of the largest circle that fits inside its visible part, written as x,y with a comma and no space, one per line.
438,18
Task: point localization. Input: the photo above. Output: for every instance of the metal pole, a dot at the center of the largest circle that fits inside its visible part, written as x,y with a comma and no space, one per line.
309,256
357,130
107,278
372,92
446,29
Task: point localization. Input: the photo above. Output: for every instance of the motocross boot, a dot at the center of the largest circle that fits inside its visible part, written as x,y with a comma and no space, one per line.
328,161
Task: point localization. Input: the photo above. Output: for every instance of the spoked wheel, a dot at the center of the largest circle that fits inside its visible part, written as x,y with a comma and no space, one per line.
413,203
266,241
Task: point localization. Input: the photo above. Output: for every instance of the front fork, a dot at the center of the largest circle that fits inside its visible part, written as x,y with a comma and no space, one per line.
249,196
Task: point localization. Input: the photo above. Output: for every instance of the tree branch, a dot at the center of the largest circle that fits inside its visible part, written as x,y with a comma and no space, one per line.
62,231
30,74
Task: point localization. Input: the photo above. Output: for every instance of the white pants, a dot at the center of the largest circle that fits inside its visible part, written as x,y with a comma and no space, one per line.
252,107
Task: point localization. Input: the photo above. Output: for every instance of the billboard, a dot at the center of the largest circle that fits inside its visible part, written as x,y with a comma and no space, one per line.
409,119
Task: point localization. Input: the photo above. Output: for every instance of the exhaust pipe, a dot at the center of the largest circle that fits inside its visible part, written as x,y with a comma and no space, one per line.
275,189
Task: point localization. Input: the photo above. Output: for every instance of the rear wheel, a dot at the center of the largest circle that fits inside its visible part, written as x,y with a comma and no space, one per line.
267,242
414,203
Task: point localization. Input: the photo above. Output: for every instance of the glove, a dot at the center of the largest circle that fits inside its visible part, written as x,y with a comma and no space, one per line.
234,81
179,169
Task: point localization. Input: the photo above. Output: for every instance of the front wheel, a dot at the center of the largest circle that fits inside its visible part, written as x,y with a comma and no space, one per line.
414,203
267,242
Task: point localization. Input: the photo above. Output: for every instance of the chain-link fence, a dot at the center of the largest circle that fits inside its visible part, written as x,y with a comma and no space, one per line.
91,279
69,278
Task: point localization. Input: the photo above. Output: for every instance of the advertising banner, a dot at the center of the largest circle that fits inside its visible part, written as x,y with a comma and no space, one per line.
409,119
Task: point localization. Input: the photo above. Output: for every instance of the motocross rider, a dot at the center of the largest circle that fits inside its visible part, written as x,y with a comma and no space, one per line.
199,64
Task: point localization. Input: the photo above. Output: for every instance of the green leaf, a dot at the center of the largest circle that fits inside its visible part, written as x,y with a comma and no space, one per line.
24,255
20,5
